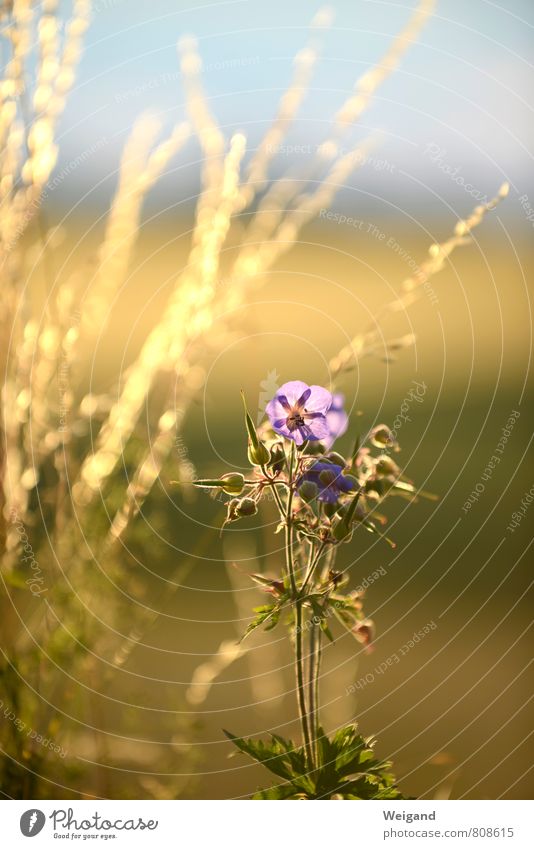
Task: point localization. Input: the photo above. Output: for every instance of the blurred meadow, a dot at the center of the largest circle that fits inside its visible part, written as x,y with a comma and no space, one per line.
277,199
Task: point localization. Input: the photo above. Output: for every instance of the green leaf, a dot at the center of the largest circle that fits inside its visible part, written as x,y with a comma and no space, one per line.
275,618
348,768
207,483
406,486
271,754
251,430
263,614
320,611
371,527
355,450
352,507
261,579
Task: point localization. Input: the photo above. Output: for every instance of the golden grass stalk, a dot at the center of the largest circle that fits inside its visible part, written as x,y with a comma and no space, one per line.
141,167
282,192
366,86
197,302
415,286
187,314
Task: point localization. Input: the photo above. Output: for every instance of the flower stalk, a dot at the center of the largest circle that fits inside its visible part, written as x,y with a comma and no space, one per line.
322,498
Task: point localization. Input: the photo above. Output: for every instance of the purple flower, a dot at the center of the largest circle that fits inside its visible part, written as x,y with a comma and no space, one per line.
329,480
336,419
298,411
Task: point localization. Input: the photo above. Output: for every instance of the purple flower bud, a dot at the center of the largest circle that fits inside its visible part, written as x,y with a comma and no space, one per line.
308,491
337,459
330,481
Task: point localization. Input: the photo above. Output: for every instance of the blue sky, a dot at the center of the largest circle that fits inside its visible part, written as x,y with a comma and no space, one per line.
460,101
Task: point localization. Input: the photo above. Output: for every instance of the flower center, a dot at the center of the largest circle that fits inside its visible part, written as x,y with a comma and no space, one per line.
295,420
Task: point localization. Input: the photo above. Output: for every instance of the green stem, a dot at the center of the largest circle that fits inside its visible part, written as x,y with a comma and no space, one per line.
275,493
312,566
318,653
301,692
313,686
299,659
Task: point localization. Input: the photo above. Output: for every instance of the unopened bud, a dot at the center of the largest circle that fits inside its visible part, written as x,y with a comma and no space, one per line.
231,514
386,466
364,632
233,483
335,577
314,448
380,485
278,457
246,507
326,477
308,491
337,459
258,454
381,435
340,530
276,588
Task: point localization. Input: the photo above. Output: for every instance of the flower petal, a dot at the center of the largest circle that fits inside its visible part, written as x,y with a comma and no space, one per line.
329,494
338,422
301,434
320,400
275,410
284,402
317,426
280,426
338,400
293,391
303,398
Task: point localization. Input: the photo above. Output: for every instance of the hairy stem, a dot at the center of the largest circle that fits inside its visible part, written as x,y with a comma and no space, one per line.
277,498
314,560
312,685
299,658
